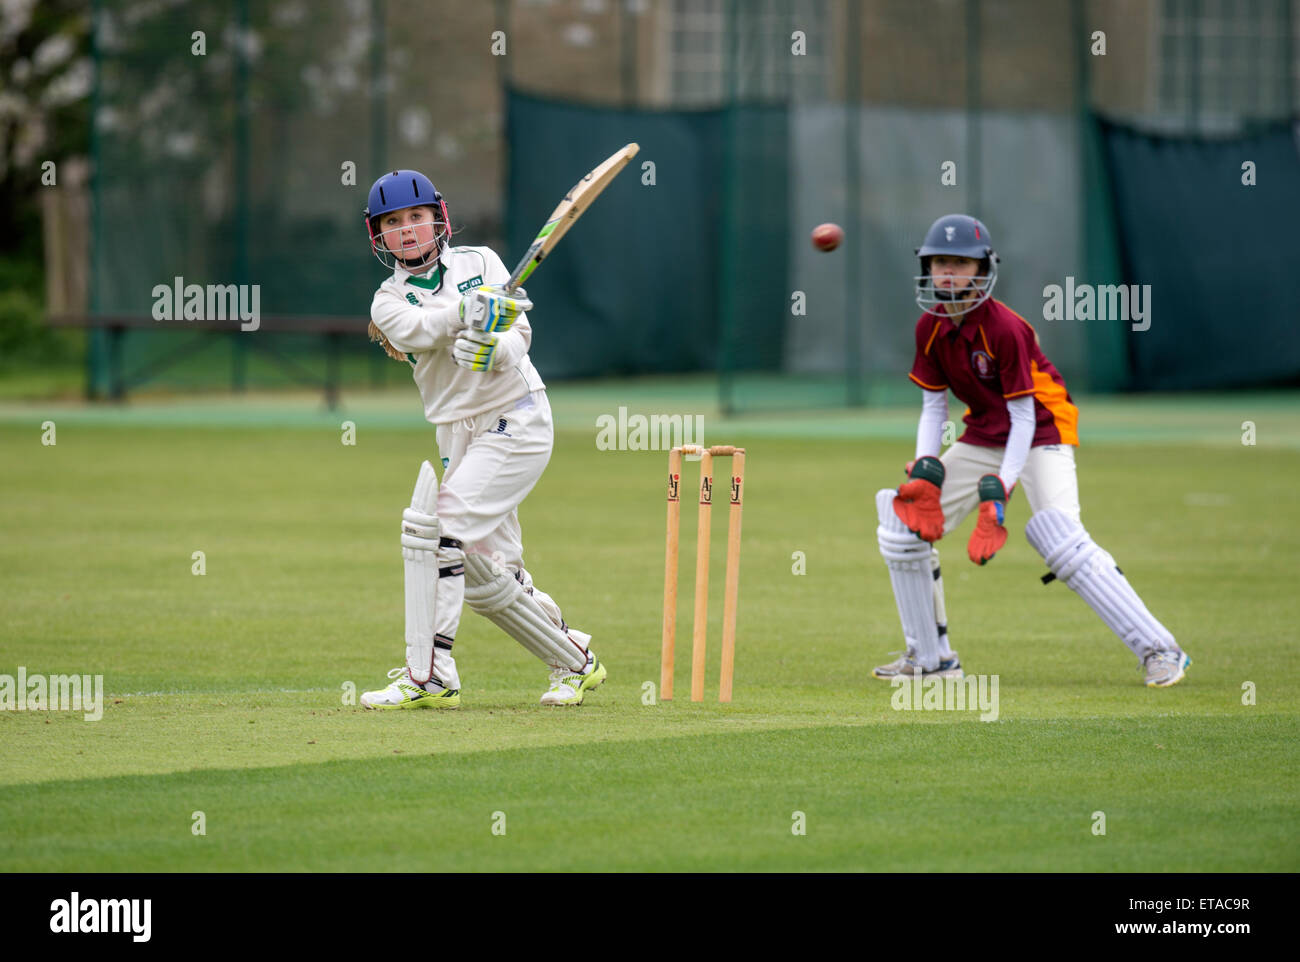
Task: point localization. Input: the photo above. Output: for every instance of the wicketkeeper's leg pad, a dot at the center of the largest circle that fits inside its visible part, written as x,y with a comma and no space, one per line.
495,593
435,586
912,576
1092,574
940,611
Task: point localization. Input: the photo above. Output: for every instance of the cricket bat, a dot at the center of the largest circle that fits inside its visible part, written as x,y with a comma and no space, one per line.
574,205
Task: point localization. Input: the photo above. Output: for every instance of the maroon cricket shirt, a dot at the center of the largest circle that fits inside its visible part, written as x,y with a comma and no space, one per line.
991,357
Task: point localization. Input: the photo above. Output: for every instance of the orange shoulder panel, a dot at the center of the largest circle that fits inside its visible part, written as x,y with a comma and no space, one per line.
1053,397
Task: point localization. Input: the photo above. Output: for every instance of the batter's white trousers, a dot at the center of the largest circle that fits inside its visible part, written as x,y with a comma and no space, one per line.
490,464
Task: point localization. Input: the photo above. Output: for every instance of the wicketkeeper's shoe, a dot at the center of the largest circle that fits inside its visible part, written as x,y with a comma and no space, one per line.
906,664
568,686
1165,668
403,692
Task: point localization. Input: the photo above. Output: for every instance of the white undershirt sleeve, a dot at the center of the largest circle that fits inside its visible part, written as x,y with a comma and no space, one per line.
929,432
1019,439
411,328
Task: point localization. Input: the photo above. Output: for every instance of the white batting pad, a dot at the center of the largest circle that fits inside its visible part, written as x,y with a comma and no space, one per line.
1092,574
552,610
494,593
425,497
434,587
912,577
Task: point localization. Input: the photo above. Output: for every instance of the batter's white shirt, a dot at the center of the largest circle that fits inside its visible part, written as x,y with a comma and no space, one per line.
420,316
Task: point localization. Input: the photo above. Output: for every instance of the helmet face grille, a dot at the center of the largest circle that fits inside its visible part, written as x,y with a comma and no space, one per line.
409,188
928,298
956,235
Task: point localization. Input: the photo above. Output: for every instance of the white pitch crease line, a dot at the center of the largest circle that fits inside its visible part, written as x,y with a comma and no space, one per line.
242,691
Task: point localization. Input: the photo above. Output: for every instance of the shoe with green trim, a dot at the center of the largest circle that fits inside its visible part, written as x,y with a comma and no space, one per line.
568,686
1165,668
907,665
403,692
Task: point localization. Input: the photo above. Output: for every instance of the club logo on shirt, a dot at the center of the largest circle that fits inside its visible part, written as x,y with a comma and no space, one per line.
983,364
469,285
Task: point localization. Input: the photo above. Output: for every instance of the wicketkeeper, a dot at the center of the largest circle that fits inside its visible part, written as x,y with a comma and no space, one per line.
1021,428
445,311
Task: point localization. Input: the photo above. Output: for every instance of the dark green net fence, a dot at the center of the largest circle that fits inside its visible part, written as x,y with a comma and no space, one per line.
247,163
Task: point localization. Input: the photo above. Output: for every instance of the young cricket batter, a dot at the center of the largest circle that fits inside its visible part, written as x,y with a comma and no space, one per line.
1020,428
446,313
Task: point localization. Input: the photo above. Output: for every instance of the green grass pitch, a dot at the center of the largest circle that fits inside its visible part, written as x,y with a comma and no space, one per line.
226,691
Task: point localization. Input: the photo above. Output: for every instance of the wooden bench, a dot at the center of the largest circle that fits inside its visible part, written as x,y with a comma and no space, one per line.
333,329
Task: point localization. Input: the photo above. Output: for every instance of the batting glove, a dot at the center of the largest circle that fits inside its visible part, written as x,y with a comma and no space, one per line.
989,535
475,350
917,504
491,309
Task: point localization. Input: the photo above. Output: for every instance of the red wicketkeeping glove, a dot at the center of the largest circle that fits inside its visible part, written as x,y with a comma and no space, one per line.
989,535
917,504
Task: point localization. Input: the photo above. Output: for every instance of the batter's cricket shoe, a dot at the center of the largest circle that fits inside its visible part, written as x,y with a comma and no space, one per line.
403,692
569,686
906,664
1165,668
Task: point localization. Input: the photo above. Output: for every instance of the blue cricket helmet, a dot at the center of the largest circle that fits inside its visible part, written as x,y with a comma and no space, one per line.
398,190
401,188
956,235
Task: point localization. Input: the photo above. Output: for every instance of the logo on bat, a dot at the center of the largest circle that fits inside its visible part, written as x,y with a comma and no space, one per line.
585,180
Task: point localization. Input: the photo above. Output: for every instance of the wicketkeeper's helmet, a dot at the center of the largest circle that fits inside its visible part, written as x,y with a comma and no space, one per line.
396,191
957,235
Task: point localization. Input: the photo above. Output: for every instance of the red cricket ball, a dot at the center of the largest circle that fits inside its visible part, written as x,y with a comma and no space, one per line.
827,237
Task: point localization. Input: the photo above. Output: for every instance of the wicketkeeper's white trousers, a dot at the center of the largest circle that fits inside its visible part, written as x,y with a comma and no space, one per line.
1050,484
1047,481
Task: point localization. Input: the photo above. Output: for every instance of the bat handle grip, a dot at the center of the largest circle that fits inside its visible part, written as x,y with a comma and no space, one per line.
516,279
